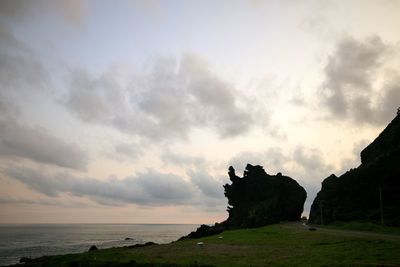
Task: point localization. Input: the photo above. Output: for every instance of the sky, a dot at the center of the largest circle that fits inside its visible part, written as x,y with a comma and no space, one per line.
132,111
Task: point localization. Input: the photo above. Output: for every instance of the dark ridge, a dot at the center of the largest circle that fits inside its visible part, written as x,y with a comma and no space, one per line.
358,194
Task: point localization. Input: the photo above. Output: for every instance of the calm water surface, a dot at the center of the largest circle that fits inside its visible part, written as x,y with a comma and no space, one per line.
37,240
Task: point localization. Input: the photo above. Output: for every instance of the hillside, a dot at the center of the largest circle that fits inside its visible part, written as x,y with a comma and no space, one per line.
289,244
359,193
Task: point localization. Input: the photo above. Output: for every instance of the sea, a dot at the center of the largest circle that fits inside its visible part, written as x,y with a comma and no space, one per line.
35,240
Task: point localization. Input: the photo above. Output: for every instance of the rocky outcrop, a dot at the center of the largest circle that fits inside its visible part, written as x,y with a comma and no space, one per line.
360,193
258,199
93,248
25,260
206,230
142,245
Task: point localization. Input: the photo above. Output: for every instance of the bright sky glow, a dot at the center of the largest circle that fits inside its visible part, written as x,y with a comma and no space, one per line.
132,111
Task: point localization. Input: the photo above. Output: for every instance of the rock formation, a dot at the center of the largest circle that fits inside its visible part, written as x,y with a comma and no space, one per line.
370,192
206,230
93,248
258,199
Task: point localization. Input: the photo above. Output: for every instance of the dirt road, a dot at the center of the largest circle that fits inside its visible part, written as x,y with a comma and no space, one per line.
304,227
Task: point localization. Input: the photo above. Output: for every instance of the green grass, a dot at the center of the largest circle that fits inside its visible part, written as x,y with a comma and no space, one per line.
274,245
363,226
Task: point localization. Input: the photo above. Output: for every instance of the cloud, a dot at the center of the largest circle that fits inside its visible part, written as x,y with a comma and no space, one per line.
129,151
273,160
208,185
72,11
192,96
312,162
8,111
147,188
351,69
216,99
41,201
8,39
354,160
96,99
301,162
172,158
211,188
125,151
36,144
20,71
164,103
351,87
23,76
389,101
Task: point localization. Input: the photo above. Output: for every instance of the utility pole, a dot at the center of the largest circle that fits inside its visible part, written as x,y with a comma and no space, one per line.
380,202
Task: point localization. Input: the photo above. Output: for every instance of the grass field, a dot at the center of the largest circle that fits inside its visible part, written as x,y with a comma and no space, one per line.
274,245
363,226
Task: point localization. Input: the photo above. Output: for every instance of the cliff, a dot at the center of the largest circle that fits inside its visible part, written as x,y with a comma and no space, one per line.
359,193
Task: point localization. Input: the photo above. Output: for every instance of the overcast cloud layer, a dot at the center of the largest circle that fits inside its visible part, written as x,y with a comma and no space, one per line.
351,87
37,145
147,105
165,103
149,188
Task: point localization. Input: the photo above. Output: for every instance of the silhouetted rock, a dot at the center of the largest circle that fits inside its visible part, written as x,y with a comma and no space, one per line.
257,199
206,230
142,245
128,238
25,260
93,248
356,194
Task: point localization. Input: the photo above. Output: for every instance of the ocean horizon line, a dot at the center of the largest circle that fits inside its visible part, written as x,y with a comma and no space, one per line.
94,223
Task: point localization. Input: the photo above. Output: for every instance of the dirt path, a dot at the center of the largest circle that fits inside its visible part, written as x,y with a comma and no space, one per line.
303,226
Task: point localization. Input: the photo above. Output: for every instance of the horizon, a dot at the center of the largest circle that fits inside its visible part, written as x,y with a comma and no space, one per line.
132,112
59,223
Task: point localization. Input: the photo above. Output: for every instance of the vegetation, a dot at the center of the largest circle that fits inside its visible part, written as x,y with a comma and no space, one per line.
363,226
289,244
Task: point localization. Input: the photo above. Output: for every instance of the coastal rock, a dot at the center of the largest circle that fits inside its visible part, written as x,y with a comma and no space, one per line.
142,245
358,194
206,230
25,260
257,199
93,248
